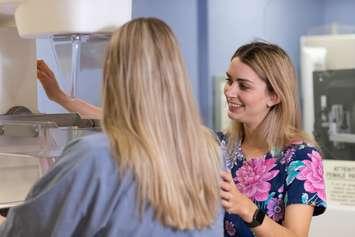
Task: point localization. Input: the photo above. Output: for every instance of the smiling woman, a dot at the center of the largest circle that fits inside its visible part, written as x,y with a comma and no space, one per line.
268,190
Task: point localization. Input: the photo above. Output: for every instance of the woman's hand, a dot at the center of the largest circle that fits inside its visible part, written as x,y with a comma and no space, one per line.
56,94
49,83
233,201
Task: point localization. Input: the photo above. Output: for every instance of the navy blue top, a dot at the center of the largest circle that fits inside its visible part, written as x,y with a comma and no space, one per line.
293,175
84,195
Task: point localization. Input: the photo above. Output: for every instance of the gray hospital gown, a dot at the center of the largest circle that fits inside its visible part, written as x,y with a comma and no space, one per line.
84,195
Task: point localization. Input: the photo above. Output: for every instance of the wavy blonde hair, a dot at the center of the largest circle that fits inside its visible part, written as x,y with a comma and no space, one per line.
154,127
282,124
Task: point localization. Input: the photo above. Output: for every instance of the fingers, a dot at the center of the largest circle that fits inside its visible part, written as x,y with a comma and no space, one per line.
42,64
226,186
49,82
227,176
225,195
229,193
39,62
42,75
43,67
226,202
227,183
226,192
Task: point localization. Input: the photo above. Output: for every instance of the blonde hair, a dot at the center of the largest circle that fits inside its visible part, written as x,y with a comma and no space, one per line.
154,127
282,124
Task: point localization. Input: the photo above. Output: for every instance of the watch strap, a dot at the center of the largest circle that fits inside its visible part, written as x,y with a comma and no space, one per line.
258,219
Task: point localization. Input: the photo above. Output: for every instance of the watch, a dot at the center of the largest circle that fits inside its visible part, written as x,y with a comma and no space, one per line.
258,219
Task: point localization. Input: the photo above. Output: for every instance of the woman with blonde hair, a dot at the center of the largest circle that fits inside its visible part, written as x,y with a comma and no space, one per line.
276,182
155,169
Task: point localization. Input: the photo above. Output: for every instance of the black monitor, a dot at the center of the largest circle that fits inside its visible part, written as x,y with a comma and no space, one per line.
334,110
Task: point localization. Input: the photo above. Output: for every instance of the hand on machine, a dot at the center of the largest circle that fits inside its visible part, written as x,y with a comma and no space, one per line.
51,86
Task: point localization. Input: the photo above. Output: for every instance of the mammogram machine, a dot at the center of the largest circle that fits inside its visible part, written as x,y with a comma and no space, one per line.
328,88
30,141
328,85
334,109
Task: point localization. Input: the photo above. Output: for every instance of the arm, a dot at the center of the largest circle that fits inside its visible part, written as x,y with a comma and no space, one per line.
56,94
297,216
297,223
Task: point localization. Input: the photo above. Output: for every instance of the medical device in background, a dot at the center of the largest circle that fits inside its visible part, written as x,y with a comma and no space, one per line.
334,112
328,93
30,140
328,82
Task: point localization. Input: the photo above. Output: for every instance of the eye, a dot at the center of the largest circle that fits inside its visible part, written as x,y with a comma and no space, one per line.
229,81
243,86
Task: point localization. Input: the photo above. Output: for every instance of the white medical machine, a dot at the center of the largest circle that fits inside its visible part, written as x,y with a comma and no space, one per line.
328,87
29,140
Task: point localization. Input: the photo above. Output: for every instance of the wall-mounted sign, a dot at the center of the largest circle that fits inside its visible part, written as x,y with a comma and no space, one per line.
340,183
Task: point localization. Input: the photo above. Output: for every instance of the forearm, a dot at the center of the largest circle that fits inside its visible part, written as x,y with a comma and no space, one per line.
297,223
270,228
77,105
85,109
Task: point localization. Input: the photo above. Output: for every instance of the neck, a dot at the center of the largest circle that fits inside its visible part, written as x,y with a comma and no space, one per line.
253,138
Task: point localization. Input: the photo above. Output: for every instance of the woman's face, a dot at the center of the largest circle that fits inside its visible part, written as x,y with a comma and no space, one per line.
246,94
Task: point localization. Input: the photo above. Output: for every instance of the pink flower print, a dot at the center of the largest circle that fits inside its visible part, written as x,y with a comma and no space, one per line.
312,173
275,209
229,227
251,179
288,155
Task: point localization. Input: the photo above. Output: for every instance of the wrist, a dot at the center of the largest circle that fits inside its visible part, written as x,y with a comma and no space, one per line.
249,211
62,99
257,218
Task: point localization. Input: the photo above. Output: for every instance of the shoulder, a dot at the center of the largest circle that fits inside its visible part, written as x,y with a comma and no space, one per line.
90,154
88,144
304,151
88,149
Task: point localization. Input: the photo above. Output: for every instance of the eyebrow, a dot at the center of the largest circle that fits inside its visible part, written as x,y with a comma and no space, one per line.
238,79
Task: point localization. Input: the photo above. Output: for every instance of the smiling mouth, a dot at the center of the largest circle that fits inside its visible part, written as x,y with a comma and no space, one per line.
235,105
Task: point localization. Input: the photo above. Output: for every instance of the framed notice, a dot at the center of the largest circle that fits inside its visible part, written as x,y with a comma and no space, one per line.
340,183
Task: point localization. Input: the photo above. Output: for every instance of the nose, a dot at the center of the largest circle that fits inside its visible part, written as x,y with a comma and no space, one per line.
231,90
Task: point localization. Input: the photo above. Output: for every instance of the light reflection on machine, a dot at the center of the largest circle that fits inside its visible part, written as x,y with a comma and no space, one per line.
30,141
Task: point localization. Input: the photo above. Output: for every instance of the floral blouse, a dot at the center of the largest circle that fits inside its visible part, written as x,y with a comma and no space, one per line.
276,180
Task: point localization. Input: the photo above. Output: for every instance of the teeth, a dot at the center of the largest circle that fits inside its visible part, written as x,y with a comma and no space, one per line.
236,105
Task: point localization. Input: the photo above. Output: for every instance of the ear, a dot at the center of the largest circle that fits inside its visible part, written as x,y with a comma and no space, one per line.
273,100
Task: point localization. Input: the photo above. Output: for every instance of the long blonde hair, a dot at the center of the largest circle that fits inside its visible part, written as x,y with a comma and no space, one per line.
282,124
154,127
